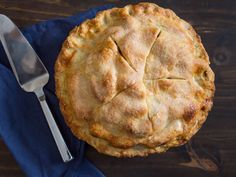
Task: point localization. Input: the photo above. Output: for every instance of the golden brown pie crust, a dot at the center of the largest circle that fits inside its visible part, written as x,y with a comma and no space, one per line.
134,80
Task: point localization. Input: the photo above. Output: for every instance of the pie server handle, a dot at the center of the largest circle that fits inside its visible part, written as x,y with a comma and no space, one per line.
62,147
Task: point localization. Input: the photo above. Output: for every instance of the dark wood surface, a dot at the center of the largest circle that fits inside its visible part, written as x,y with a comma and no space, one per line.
212,152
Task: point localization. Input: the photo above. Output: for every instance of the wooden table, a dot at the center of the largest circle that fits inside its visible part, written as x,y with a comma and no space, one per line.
215,143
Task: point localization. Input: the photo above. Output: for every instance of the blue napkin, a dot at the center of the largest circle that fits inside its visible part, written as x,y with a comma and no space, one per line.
23,126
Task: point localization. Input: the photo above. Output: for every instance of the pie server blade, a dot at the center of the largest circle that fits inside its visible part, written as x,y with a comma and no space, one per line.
30,73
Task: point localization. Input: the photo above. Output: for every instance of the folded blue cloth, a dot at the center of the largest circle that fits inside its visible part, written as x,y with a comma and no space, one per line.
23,126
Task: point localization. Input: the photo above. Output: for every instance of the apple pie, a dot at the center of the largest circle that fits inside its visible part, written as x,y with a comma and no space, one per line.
134,80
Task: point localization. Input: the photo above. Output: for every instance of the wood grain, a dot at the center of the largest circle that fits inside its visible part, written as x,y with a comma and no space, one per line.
8,166
212,152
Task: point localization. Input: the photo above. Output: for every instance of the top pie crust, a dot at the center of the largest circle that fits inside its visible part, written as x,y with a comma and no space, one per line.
134,80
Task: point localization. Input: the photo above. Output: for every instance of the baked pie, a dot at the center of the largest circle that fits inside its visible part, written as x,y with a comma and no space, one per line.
134,80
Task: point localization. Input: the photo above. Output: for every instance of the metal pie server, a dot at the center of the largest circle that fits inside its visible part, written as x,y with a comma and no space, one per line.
30,73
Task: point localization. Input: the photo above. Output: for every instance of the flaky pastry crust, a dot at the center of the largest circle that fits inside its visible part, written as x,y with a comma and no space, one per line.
134,80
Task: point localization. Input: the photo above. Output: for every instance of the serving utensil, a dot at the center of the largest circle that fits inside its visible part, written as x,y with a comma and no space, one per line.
30,73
